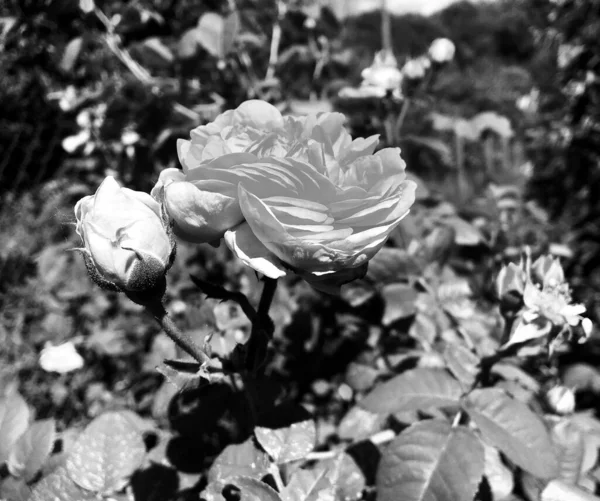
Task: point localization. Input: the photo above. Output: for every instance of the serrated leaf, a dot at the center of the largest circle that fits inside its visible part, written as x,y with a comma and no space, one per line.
240,460
32,450
247,488
360,377
400,302
290,443
188,46
360,424
14,489
462,362
231,28
309,485
568,444
108,451
513,373
216,33
413,390
14,420
514,429
59,486
424,328
391,264
431,460
71,54
345,475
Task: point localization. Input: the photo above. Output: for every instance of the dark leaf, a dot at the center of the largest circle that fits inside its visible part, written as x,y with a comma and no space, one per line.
431,460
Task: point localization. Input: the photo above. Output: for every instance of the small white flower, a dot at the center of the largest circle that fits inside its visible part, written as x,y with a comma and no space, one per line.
442,50
62,358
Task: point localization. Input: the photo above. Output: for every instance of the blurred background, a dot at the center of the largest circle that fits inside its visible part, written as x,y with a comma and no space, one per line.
502,137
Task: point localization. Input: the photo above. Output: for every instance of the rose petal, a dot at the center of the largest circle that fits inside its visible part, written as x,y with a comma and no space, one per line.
200,216
244,244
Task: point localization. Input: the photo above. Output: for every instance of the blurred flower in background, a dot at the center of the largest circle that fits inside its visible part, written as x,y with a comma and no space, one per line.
442,50
62,358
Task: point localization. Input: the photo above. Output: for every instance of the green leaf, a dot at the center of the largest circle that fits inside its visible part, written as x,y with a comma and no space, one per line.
431,460
217,34
360,424
14,420
391,265
59,486
290,443
32,450
345,475
400,302
462,362
247,489
108,451
413,390
514,429
14,489
308,485
240,460
568,444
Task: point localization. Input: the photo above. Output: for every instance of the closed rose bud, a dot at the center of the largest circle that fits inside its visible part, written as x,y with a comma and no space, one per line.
126,242
442,50
561,400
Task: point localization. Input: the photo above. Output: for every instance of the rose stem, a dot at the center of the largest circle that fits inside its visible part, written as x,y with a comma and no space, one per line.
181,339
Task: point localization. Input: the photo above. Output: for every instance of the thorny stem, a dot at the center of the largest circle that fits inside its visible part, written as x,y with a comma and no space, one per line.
181,339
266,298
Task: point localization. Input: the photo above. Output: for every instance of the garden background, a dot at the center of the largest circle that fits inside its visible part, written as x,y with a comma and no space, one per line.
503,142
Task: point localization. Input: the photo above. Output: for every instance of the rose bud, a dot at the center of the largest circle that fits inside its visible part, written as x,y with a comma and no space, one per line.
442,50
127,244
561,400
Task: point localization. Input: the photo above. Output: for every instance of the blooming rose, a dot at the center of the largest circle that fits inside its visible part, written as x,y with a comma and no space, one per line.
289,194
126,243
442,50
383,73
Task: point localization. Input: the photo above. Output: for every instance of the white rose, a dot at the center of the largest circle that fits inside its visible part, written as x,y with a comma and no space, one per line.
126,243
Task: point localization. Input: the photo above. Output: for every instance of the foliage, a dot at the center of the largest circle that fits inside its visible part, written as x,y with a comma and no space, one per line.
452,370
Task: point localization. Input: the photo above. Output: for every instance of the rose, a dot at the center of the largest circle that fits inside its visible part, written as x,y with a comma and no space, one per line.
383,73
415,69
442,50
126,244
289,194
